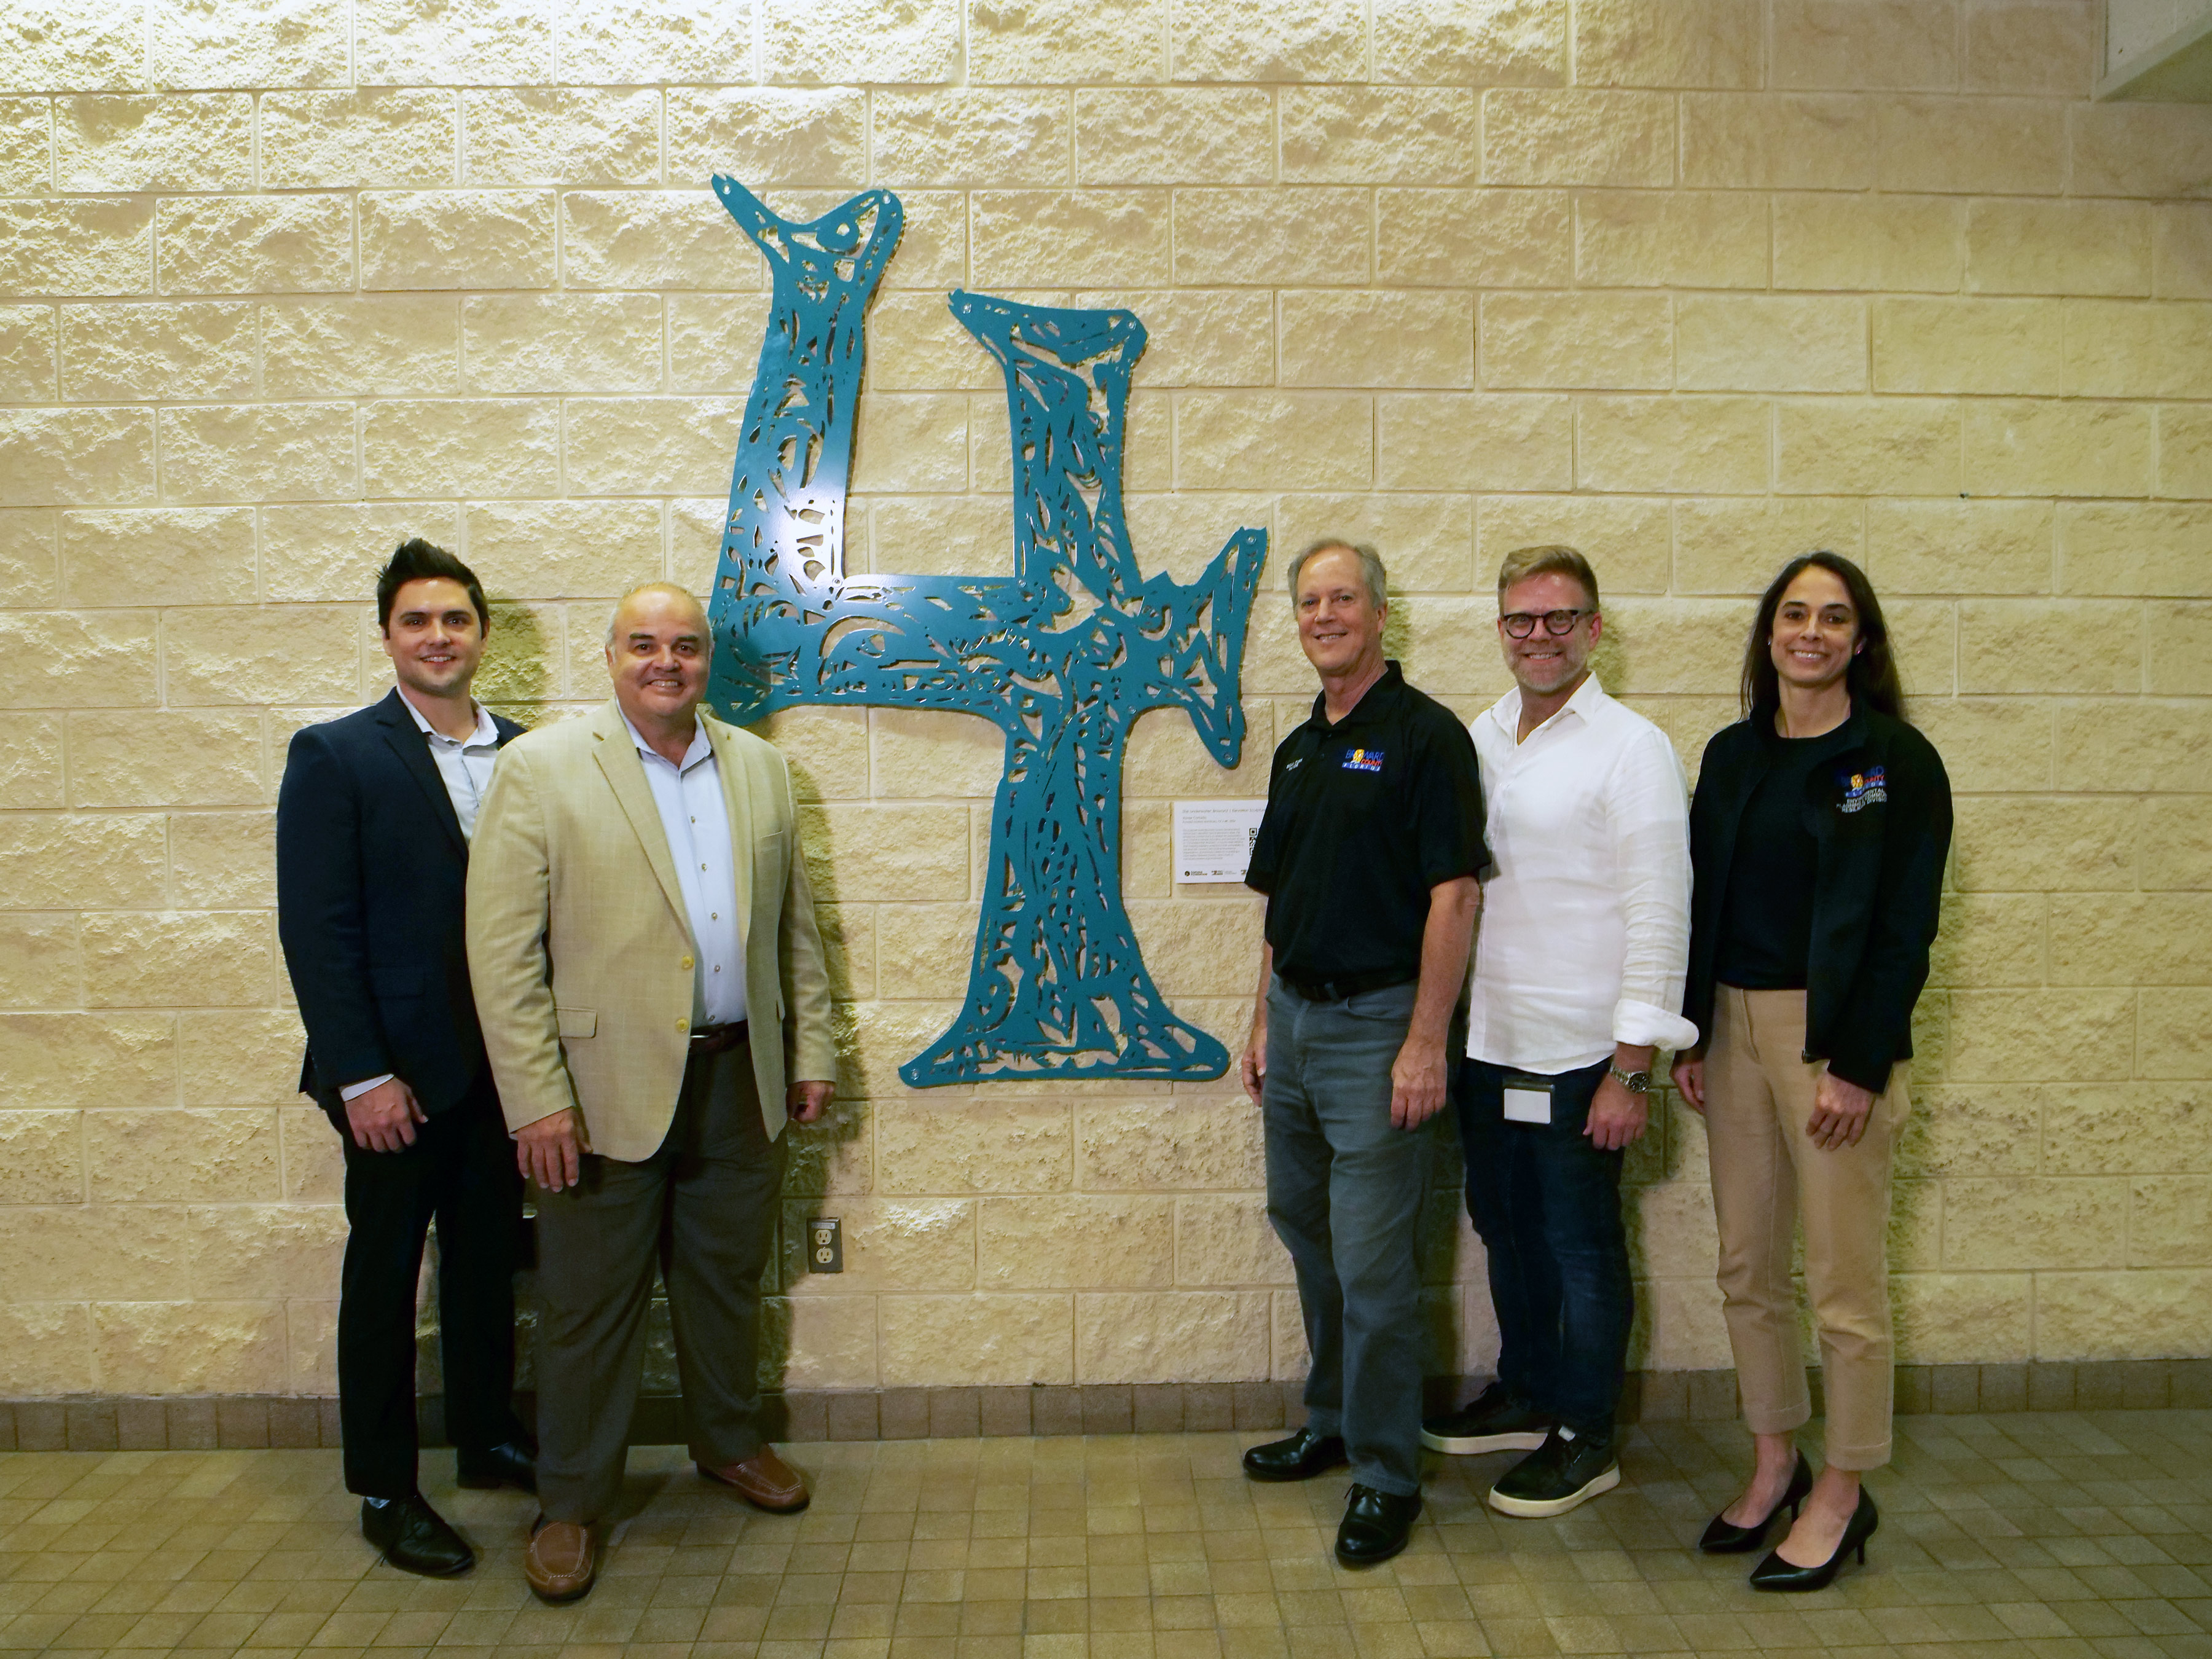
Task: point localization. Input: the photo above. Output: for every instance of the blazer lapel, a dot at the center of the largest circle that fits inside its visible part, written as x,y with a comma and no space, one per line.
617,754
737,801
413,748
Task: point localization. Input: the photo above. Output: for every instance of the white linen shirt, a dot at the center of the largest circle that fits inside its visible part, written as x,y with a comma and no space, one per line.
1584,937
695,819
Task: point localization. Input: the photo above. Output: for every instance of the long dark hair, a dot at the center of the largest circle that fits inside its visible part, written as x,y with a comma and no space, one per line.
1872,676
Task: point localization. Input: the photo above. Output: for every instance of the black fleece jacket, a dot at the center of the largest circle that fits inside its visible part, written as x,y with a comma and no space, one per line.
1880,810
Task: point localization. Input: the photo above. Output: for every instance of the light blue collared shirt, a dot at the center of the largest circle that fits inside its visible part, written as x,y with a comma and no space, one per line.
697,820
464,763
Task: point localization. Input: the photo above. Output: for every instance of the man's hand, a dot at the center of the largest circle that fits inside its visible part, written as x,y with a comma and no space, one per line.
550,1151
1690,1081
383,1120
805,1100
1840,1110
1253,1066
1616,1116
1417,1084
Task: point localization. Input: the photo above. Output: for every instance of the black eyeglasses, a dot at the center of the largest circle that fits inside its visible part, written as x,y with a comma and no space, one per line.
1522,623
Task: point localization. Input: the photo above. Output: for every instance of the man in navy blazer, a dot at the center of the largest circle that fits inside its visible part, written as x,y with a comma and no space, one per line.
372,828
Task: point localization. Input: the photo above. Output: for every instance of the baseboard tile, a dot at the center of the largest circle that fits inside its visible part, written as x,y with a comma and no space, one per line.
102,1423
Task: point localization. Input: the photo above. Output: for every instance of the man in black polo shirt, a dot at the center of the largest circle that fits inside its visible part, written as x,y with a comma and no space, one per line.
1369,855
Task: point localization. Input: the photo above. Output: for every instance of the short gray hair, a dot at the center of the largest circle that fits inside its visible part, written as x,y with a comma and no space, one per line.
1371,573
676,588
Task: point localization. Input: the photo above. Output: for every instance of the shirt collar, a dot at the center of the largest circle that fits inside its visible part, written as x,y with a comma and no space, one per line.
485,735
699,749
1506,711
1376,703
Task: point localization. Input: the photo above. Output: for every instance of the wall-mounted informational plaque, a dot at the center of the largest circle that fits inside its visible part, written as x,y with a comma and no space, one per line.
1213,838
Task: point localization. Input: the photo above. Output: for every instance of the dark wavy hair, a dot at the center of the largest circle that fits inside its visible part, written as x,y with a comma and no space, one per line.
1873,673
415,560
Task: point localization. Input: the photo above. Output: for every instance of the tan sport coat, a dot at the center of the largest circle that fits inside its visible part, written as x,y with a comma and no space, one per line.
579,948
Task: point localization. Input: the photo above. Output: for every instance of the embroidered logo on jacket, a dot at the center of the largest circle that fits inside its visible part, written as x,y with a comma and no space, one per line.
1363,760
1861,789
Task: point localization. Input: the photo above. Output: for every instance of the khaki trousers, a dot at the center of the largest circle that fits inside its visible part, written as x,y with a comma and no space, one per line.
1767,1172
702,1210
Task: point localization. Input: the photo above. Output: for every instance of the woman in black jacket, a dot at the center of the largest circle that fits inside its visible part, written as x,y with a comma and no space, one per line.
1817,840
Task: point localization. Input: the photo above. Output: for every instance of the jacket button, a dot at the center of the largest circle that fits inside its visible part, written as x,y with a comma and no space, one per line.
683,1024
686,964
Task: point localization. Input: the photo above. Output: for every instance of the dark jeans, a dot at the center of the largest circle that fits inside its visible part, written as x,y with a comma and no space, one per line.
1548,1205
703,1210
1344,1190
459,1171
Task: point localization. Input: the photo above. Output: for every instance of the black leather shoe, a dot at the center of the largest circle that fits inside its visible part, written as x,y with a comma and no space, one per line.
1776,1574
1301,1458
1375,1526
510,1463
1723,1537
415,1537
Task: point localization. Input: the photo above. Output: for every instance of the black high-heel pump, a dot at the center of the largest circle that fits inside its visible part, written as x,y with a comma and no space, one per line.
1776,1574
1724,1537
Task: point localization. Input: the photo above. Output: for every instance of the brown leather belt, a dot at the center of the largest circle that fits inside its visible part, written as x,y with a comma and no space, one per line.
718,1039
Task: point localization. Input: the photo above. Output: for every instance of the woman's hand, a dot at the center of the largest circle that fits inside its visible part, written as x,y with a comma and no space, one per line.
1689,1075
1840,1110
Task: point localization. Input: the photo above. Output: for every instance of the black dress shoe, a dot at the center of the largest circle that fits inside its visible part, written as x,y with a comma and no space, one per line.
1776,1574
1375,1526
415,1537
1724,1537
1301,1458
510,1463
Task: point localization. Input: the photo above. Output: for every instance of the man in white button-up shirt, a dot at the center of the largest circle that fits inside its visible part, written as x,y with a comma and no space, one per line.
1578,972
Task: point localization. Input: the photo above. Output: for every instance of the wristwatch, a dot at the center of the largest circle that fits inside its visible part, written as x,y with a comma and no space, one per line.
1637,1083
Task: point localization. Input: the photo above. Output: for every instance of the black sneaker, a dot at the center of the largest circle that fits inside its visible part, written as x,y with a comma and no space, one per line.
1566,1471
1495,1422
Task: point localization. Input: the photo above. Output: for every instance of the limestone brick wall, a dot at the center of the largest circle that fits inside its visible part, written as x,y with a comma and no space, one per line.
1694,284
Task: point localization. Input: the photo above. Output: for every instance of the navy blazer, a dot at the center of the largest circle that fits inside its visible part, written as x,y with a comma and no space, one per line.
371,877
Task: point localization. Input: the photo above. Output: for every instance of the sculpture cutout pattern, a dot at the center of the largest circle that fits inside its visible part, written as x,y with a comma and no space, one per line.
1063,655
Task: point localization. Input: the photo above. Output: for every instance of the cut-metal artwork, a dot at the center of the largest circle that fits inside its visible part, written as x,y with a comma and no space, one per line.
1063,655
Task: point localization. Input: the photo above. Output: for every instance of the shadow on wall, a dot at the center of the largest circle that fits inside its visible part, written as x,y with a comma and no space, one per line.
518,671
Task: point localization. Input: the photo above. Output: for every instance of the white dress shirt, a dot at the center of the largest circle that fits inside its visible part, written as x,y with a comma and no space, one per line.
1584,937
696,820
464,766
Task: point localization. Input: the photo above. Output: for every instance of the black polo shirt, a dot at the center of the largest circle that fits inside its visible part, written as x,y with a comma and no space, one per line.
1363,817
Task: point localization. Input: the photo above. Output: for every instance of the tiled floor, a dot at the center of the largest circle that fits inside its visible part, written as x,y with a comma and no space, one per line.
2042,1536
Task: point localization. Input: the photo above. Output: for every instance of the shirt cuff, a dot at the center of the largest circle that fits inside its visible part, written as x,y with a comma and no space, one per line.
1638,1022
352,1089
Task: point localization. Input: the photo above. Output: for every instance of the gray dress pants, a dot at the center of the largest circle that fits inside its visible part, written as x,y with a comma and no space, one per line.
1344,1190
703,1210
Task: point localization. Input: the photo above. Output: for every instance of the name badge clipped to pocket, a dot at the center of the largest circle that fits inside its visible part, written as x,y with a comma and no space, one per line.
1528,1099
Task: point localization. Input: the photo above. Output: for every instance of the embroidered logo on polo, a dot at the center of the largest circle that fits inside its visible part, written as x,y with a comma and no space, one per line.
1363,760
1861,789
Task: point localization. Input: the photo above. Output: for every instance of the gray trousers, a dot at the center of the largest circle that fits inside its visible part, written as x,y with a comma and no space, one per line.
1344,1190
703,1209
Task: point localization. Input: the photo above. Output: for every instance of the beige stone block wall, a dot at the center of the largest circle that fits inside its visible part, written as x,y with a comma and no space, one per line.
1694,284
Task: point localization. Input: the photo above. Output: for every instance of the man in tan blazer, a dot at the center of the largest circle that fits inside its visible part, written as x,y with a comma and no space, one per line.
642,946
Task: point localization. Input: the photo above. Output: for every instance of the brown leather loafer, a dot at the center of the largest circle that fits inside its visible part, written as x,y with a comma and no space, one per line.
765,1481
561,1560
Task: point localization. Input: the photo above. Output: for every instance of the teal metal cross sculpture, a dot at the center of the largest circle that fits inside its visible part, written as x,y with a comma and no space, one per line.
1063,655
